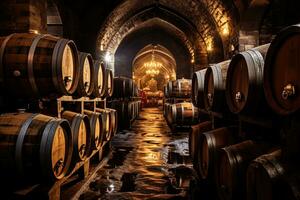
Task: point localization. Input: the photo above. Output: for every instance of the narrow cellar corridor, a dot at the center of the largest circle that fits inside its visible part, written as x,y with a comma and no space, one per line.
147,162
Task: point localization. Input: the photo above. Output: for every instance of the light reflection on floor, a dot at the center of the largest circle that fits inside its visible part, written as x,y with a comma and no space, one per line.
148,162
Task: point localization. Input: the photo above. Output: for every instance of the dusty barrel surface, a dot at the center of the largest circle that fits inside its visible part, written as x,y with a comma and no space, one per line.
81,132
281,72
107,125
194,137
113,127
198,88
244,83
38,65
234,161
86,75
96,129
123,87
180,88
99,79
265,178
184,114
215,85
109,83
34,146
209,145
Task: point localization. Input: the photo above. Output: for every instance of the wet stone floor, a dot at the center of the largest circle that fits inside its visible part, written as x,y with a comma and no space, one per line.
148,162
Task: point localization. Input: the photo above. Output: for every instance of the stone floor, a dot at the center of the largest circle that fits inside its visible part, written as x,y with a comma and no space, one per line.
148,162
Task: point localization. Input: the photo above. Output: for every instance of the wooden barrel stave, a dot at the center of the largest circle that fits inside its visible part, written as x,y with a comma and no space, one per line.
96,127
109,83
81,131
244,84
180,88
198,88
39,65
34,146
184,114
281,73
234,160
215,85
194,137
209,145
99,79
87,75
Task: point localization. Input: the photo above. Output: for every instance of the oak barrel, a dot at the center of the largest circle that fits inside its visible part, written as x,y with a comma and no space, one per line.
123,87
99,79
109,83
265,178
194,137
184,114
244,83
96,129
113,127
198,88
107,125
34,65
209,145
86,75
281,72
215,85
180,88
234,160
81,132
34,147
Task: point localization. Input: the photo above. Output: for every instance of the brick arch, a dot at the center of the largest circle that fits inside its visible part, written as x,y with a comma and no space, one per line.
206,17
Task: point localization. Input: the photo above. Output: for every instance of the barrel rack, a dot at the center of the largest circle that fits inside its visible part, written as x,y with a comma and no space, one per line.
83,169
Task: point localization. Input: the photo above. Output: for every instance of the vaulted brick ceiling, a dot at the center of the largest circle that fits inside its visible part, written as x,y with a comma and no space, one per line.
199,22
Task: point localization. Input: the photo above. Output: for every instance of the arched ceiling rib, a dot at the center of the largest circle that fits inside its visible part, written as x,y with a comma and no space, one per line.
206,16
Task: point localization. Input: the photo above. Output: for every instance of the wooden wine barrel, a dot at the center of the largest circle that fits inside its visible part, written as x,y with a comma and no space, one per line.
96,129
113,126
215,85
234,160
107,126
86,75
198,88
123,87
244,83
265,178
109,83
209,145
124,110
194,137
81,132
38,65
34,146
281,73
169,113
184,114
181,88
99,79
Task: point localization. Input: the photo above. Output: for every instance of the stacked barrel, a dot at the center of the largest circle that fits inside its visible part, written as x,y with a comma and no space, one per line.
178,109
46,148
247,146
125,101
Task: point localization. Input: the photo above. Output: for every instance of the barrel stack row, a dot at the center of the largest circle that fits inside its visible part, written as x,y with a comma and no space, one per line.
37,147
260,83
177,109
125,101
40,148
45,65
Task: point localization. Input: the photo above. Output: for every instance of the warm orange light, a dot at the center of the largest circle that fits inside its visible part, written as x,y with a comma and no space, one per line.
225,29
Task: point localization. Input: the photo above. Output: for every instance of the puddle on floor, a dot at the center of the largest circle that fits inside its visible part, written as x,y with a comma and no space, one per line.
148,162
